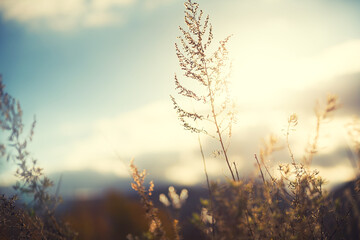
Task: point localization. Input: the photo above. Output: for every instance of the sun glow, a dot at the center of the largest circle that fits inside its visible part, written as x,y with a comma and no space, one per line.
273,53
262,75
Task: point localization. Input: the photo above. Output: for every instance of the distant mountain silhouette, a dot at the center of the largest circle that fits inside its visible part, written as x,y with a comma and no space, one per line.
348,207
90,183
87,183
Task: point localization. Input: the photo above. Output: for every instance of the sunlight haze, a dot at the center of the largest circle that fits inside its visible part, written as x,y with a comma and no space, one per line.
98,74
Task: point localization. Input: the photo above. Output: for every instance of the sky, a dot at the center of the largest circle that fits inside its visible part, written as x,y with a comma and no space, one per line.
97,75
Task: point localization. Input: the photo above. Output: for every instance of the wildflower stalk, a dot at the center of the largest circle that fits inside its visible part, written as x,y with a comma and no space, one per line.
259,166
31,179
209,188
210,73
322,114
155,227
292,122
212,100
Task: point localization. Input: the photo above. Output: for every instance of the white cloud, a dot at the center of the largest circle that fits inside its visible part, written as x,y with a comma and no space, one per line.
151,130
65,14
152,4
154,129
112,142
335,61
70,14
106,4
190,169
100,18
23,10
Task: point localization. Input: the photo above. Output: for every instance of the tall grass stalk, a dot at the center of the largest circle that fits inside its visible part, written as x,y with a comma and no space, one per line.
37,220
210,71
